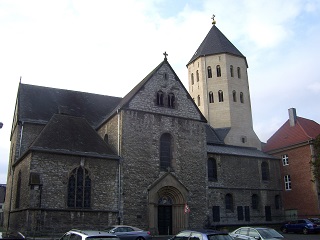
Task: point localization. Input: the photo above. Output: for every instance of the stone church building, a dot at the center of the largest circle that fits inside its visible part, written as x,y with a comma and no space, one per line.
161,158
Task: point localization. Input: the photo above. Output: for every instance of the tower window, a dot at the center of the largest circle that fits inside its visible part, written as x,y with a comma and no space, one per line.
220,95
165,151
198,100
171,100
231,70
239,72
211,100
234,95
241,97
160,98
192,79
197,75
209,72
218,71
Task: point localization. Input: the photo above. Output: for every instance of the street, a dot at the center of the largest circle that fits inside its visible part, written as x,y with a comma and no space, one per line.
297,236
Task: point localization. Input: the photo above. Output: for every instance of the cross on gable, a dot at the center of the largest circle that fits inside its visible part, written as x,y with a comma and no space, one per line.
165,55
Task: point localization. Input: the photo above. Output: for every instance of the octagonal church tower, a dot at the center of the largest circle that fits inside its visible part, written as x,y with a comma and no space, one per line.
218,83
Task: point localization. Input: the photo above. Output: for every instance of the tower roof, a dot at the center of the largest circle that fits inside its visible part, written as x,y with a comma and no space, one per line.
215,43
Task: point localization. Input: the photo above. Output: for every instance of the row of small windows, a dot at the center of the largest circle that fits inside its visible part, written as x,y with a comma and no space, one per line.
220,96
218,73
213,170
170,99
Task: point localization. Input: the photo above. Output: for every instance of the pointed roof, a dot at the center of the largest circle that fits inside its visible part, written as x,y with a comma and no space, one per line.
215,43
72,135
303,131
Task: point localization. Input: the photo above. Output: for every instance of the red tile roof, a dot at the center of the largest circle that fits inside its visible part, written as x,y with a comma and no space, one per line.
286,135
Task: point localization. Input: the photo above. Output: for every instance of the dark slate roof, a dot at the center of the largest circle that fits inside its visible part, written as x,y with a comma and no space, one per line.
237,151
212,136
222,132
38,104
303,131
71,135
215,43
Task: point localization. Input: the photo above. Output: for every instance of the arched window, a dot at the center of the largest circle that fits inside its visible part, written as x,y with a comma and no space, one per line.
241,97
209,72
197,76
231,70
17,205
165,151
79,188
239,72
192,79
160,98
277,200
255,201
265,171
220,95
212,170
229,202
211,100
198,100
234,95
171,100
218,71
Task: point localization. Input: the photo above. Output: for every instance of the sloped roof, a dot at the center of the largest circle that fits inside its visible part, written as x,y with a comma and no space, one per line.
303,131
237,151
212,136
38,104
215,43
71,135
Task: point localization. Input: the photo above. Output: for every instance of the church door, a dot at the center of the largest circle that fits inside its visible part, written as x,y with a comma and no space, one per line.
165,219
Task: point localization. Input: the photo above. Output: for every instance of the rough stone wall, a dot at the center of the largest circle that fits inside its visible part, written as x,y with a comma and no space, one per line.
241,177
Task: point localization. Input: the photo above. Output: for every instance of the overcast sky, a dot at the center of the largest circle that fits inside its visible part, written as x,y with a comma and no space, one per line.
107,47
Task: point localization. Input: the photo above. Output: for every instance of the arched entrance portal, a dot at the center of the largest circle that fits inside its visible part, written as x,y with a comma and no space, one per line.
165,215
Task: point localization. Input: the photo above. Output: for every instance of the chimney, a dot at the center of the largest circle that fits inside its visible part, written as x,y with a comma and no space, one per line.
292,116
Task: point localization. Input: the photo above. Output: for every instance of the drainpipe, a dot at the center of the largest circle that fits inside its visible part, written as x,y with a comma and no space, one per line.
119,171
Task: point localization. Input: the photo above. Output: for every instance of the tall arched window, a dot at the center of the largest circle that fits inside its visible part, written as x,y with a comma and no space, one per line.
277,200
198,100
241,97
211,100
265,171
165,151
218,71
197,76
171,100
160,98
209,72
239,72
255,201
212,170
79,188
229,202
18,192
231,70
192,79
234,95
220,95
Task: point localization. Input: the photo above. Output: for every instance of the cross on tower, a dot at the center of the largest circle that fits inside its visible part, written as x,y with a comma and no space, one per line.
213,21
165,55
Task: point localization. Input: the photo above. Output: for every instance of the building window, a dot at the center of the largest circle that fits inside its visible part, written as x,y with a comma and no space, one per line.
285,160
18,193
234,95
255,201
198,100
212,170
166,76
239,72
192,79
198,76
165,151
265,171
220,95
218,71
216,213
243,139
211,100
241,97
229,202
287,182
277,200
79,188
160,98
231,70
209,72
171,100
